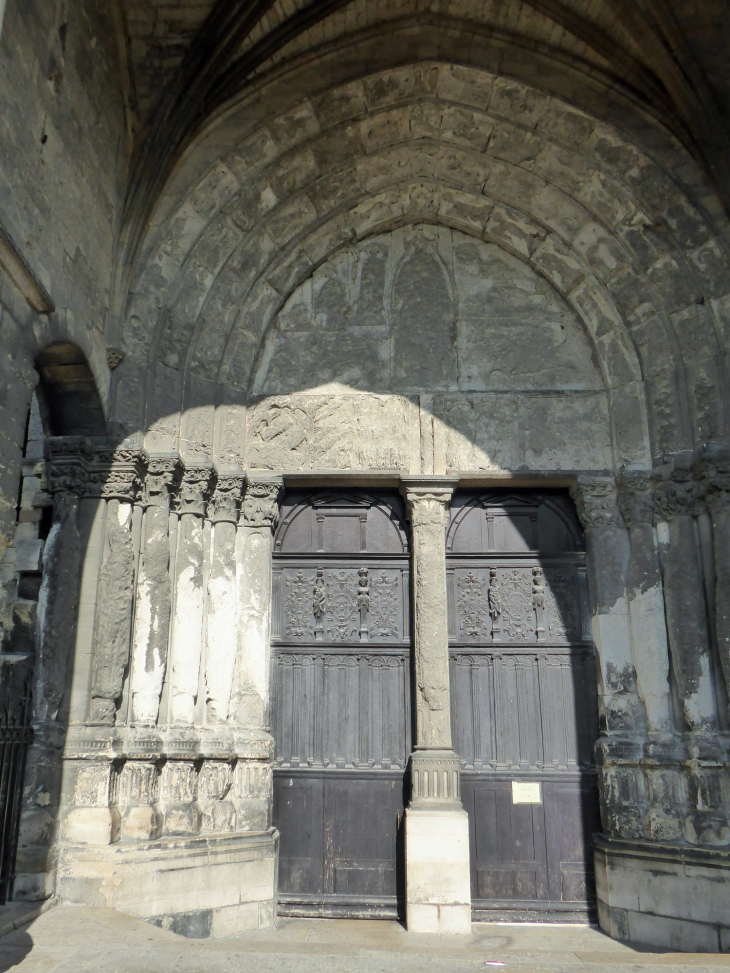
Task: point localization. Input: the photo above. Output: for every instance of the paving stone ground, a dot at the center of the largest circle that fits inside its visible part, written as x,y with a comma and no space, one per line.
81,940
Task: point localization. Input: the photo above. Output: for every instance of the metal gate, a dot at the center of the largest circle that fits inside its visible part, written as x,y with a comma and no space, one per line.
15,736
341,702
523,702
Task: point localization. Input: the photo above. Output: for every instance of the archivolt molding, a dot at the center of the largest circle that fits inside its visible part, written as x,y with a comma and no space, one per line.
456,146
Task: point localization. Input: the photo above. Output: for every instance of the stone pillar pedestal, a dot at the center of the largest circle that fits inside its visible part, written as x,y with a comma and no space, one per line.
438,883
438,889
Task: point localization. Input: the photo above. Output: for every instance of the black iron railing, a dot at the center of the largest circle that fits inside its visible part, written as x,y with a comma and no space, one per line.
15,736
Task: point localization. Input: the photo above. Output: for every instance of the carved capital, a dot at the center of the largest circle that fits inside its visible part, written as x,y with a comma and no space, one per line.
223,505
680,495
716,478
596,502
158,481
637,497
193,491
67,465
117,474
428,506
261,503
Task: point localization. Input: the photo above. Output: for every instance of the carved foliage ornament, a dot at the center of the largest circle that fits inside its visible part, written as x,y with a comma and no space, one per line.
680,495
596,503
67,464
158,481
637,497
261,503
193,490
223,505
428,508
716,474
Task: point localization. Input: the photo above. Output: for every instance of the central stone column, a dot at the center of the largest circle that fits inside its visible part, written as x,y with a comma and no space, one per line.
438,893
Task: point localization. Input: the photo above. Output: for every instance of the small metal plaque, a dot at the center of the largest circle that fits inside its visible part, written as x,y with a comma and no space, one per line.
526,792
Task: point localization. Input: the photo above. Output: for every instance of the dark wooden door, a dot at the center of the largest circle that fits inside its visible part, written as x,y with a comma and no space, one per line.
523,702
341,702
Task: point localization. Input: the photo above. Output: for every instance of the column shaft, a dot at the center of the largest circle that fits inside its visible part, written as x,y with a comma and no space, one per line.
438,881
222,629
259,518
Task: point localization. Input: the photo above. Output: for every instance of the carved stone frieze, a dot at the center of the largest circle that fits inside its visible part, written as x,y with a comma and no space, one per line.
193,491
224,504
596,502
261,503
637,497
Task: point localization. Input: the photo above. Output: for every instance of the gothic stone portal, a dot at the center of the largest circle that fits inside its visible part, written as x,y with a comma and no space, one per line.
341,650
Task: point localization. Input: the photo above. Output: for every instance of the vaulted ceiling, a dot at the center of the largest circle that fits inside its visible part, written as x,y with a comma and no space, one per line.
189,58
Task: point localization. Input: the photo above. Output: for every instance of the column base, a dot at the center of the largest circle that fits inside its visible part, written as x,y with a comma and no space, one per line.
438,881
668,896
215,886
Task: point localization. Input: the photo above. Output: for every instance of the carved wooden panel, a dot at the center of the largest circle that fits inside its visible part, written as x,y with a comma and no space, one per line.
523,700
341,700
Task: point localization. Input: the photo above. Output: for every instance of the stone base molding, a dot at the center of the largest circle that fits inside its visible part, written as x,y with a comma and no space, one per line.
662,895
201,887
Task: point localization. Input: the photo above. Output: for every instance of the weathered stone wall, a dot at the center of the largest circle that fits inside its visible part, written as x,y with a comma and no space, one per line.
62,162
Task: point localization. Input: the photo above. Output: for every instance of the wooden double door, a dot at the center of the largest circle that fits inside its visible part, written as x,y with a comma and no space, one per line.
341,693
522,696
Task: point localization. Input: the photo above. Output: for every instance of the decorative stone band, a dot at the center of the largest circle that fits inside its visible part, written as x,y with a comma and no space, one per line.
261,502
596,501
128,473
435,777
108,743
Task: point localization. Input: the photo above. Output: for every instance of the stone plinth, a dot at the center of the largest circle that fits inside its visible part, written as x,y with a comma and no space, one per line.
668,896
438,893
198,887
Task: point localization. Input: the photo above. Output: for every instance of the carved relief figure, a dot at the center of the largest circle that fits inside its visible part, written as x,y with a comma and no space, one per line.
538,603
495,602
363,603
319,605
